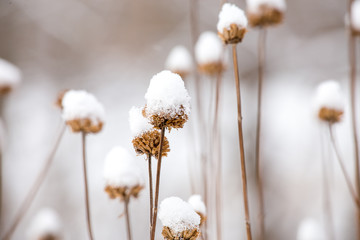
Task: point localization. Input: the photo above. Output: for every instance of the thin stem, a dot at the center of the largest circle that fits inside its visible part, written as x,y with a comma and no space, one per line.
157,187
35,187
342,166
217,143
261,65
241,145
127,215
150,190
86,187
2,98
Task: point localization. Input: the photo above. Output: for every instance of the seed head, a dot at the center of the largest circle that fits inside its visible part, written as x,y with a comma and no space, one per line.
264,13
179,61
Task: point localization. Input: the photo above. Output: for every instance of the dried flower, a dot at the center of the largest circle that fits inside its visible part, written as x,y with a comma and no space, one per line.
60,97
263,13
123,177
10,76
198,205
232,24
309,229
179,61
45,226
329,102
355,17
167,101
179,219
82,111
210,62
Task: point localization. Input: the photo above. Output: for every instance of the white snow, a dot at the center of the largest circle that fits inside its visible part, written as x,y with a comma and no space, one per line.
179,59
178,215
120,170
355,15
208,48
197,204
79,104
45,222
138,123
166,95
310,229
253,5
328,95
10,75
230,14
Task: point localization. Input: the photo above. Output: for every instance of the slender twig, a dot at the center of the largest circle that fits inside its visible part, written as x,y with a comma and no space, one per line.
241,145
1,159
157,187
35,187
259,177
150,190
88,215
127,215
217,146
343,169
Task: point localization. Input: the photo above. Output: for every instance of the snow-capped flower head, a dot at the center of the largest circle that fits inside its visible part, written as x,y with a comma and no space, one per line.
123,178
329,102
10,76
167,101
179,61
45,225
355,16
232,24
146,139
179,219
310,229
199,206
262,13
82,111
210,54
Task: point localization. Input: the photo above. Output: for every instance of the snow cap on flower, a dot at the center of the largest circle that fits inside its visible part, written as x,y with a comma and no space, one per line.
355,16
265,12
232,23
10,76
179,61
329,101
178,215
167,101
138,123
309,229
45,225
82,111
120,169
197,204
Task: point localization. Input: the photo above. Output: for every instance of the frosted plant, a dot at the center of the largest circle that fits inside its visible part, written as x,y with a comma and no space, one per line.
46,225
262,13
10,76
310,229
123,179
232,24
82,111
179,61
210,62
179,219
329,102
355,16
199,207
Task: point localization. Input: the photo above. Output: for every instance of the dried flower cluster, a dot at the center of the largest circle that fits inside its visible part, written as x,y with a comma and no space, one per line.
264,13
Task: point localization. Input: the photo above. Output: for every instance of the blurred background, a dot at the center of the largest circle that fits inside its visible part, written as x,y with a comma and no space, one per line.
112,49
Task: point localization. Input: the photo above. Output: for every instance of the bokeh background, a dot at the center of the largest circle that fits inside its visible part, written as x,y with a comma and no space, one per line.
112,49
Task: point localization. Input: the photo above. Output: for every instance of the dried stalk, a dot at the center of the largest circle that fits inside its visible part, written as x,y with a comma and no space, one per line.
150,190
127,215
241,145
88,218
342,166
1,160
157,187
35,187
261,65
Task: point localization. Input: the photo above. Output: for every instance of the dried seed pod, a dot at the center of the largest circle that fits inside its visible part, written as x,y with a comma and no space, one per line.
330,115
123,192
265,16
148,143
85,125
191,234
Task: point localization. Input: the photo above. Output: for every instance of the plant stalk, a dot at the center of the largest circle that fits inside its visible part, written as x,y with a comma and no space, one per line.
241,145
87,202
157,186
35,187
259,177
150,190
127,215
